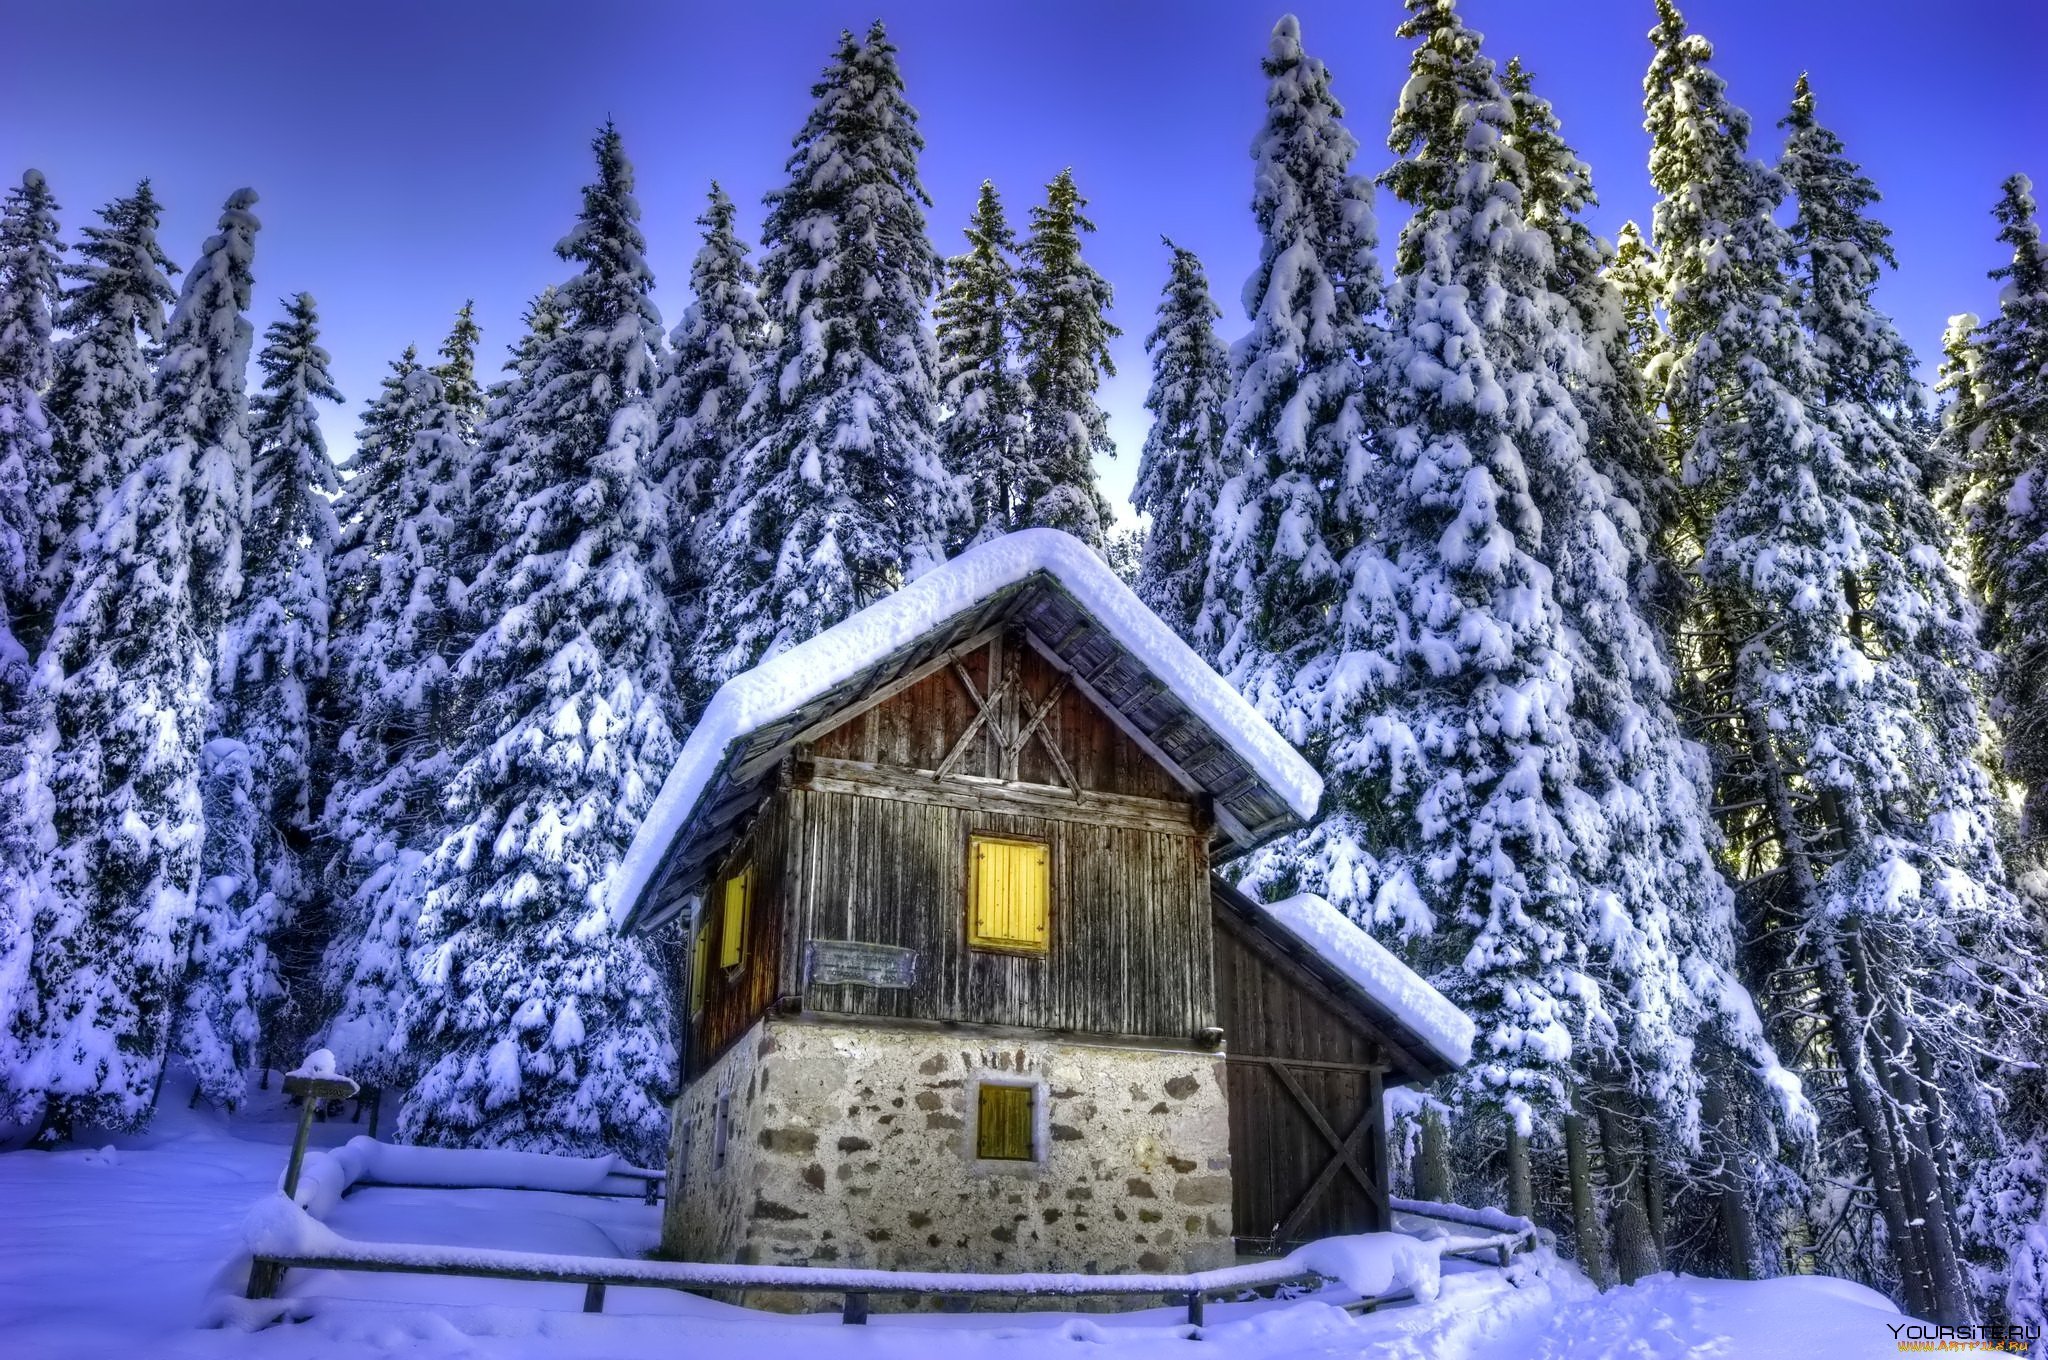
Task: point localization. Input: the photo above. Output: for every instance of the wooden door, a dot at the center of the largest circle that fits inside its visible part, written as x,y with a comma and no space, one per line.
1307,1151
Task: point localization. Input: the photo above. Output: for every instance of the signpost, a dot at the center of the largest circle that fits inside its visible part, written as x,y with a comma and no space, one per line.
314,1081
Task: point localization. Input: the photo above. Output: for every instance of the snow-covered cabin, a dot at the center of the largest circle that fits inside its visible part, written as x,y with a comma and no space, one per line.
963,991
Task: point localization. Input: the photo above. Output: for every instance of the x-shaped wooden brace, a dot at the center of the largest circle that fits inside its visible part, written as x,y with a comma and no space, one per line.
1011,745
1343,1156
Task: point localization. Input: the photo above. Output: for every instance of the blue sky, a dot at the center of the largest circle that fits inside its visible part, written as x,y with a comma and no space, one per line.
411,155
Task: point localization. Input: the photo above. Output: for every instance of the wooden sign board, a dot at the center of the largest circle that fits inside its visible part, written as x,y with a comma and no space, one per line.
852,963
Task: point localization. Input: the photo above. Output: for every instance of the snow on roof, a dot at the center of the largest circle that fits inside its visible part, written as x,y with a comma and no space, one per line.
1375,972
784,683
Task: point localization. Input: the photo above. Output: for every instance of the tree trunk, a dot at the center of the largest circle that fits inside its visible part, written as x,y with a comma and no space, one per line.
1844,1022
1738,1220
1635,1252
1911,1104
1432,1168
1585,1219
1521,1200
1653,1190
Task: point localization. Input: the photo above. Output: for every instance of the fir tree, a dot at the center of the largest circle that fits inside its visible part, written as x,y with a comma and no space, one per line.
111,314
28,296
1831,705
979,376
1181,467
28,287
1063,336
538,1026
457,371
1605,381
127,672
701,409
844,494
2004,462
273,661
1299,418
396,698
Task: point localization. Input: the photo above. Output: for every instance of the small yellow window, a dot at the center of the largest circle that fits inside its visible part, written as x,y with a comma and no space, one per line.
700,967
732,927
1002,1126
1009,893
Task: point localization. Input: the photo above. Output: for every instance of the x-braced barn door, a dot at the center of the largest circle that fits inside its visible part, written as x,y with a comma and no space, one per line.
1307,1150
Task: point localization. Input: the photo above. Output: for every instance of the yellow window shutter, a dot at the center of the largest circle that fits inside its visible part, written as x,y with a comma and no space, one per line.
1009,885
1002,1126
732,929
700,967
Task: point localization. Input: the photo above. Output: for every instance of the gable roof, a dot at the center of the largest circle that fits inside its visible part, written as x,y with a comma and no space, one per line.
1398,1001
1077,614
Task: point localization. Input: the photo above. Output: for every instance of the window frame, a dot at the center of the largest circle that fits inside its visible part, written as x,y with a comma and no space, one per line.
989,945
1040,1123
732,936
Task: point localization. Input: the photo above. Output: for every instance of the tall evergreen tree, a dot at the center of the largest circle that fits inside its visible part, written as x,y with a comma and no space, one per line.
702,410
393,677
1299,415
979,374
1063,336
1181,468
111,314
1605,381
537,1025
1870,883
457,371
128,670
28,289
274,659
2003,460
844,494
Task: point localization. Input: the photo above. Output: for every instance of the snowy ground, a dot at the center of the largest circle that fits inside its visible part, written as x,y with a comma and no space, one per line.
134,1250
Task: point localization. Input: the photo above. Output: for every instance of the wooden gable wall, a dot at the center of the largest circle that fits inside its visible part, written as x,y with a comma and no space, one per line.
869,829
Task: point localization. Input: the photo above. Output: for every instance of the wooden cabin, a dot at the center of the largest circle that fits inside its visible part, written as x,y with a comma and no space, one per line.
962,989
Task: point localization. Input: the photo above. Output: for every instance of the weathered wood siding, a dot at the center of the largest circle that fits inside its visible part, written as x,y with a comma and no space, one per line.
872,844
1305,1078
734,998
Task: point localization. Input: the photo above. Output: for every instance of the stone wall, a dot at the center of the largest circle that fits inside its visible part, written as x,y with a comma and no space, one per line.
858,1150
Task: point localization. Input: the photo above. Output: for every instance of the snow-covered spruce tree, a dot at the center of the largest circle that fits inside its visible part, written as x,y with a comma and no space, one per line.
457,371
537,1025
1063,335
1181,468
394,682
979,373
1868,870
28,301
2004,465
112,312
701,409
128,671
246,964
28,288
1606,382
844,494
1299,418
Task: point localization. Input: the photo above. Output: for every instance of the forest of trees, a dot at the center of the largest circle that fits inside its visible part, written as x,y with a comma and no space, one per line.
1677,664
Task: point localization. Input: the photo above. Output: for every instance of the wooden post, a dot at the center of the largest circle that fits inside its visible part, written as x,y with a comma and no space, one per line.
854,1311
593,1297
305,1130
1195,1302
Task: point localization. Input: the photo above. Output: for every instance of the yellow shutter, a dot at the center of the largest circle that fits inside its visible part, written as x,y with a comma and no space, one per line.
700,967
1009,894
1002,1126
732,930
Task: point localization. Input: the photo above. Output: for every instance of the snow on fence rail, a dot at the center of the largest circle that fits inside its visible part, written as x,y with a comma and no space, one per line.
282,1235
329,1175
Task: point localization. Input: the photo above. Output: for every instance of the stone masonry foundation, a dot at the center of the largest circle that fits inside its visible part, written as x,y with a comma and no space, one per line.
815,1142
